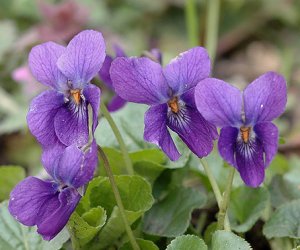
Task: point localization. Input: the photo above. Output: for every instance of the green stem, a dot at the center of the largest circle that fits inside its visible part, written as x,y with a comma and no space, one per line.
212,27
215,189
225,200
109,173
191,22
127,160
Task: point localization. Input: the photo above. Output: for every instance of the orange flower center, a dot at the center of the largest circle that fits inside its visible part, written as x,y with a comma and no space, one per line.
174,105
76,95
245,133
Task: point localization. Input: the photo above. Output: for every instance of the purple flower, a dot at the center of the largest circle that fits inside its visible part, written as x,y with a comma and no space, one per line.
48,204
59,116
118,102
170,93
248,138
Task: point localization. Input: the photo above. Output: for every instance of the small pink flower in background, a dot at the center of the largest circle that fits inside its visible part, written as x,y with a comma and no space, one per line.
30,86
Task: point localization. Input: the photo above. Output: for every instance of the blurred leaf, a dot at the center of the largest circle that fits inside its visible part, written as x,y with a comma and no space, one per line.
284,222
143,244
179,204
84,228
6,41
190,242
285,188
136,196
279,165
209,231
15,236
9,177
223,240
243,215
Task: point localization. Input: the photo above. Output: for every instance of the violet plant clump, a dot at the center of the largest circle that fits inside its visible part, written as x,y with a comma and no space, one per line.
170,93
248,139
48,204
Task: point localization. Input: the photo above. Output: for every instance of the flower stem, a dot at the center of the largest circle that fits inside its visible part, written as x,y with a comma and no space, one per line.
215,189
191,22
212,25
109,173
225,200
127,160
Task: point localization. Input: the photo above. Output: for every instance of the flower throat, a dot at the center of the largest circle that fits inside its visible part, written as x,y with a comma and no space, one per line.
174,105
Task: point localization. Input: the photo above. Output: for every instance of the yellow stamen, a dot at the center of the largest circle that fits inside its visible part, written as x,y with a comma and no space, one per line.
76,95
173,104
245,134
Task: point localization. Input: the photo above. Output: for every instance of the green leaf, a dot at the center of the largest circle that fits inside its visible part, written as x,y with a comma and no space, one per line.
243,215
15,236
223,240
284,222
84,228
151,155
9,177
209,231
179,203
190,242
143,244
136,196
285,188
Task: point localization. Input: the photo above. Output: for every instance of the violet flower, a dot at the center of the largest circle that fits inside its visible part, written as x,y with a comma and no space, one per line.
248,138
170,93
59,116
118,102
48,204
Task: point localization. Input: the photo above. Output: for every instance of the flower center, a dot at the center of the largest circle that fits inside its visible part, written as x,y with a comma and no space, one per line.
76,94
245,133
174,105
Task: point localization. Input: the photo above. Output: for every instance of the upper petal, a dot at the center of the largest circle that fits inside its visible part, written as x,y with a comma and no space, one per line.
267,133
186,70
250,162
75,167
42,63
219,102
49,226
139,80
83,57
227,144
265,98
28,197
40,117
156,130
193,129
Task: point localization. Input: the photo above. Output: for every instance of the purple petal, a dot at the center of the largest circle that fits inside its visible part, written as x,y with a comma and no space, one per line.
83,58
104,72
51,225
42,63
219,102
28,197
186,70
227,144
250,162
40,117
193,129
265,98
116,103
92,96
51,156
156,130
157,54
267,134
71,124
76,168
119,51
139,80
